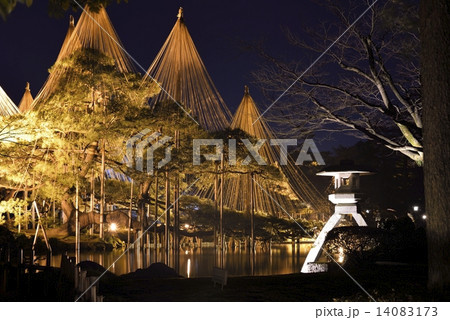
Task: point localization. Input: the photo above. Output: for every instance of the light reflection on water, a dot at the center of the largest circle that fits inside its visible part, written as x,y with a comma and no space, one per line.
199,262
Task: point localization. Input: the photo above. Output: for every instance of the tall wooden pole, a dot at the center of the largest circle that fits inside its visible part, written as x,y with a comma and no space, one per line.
19,226
216,207
33,214
252,220
167,221
175,225
155,234
177,210
102,190
77,221
147,219
130,211
25,209
92,202
53,203
54,210
222,238
142,215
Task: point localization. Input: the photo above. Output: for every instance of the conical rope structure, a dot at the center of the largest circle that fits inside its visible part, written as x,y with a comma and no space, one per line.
26,101
69,33
271,197
180,71
94,30
7,107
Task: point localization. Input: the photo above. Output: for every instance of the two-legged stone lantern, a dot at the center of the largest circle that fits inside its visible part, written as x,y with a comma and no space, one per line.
346,185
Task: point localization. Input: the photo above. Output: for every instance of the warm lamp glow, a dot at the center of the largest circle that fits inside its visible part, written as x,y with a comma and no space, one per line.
113,227
341,255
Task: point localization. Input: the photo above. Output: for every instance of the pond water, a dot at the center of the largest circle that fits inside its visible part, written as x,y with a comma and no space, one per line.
199,262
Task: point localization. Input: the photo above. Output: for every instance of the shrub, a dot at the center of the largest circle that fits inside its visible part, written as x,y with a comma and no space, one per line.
361,245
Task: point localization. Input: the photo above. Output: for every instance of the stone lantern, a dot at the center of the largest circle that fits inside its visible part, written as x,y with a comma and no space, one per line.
345,199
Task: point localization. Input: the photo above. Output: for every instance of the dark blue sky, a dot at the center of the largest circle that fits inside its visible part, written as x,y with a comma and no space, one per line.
30,40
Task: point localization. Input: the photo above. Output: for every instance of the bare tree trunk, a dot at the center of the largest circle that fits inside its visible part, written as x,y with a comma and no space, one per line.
435,62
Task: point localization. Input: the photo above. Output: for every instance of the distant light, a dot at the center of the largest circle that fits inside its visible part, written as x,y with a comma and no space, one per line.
424,216
367,211
186,252
113,227
186,226
341,255
416,208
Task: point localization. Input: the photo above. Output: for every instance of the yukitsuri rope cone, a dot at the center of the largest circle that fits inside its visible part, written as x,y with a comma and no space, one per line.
181,72
94,30
7,107
26,101
292,194
69,33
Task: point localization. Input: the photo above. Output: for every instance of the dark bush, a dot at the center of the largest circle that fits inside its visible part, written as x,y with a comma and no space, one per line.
398,241
360,245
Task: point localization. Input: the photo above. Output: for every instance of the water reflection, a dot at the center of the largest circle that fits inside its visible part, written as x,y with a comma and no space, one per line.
188,268
199,262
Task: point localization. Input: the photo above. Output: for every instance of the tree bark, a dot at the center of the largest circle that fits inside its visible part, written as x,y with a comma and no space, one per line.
435,64
66,202
142,201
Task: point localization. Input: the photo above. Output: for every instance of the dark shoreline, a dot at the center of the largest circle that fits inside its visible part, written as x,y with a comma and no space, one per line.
384,283
400,283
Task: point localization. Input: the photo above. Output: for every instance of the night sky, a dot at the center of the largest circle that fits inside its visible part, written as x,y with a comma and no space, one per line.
31,40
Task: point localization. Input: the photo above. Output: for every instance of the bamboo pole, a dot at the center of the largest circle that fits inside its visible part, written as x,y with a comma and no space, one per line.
129,214
33,214
177,210
19,225
102,190
252,220
25,209
47,243
77,221
155,235
167,221
92,202
174,231
142,215
147,218
177,224
54,211
222,238
216,201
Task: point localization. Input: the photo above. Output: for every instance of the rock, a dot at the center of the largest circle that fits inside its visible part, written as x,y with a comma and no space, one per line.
94,269
156,270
